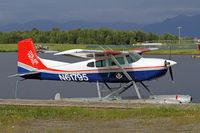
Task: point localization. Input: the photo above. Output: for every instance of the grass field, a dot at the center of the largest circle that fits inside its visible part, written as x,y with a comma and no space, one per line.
22,119
8,47
58,47
62,47
180,51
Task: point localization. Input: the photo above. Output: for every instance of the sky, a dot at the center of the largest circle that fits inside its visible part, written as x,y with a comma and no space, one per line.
134,11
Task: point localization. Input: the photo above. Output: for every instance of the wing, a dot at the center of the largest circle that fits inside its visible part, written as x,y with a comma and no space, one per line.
84,53
140,51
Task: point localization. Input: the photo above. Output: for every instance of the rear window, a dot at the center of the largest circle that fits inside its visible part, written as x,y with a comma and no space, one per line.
91,64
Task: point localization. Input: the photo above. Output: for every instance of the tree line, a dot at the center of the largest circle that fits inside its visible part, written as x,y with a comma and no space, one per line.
84,36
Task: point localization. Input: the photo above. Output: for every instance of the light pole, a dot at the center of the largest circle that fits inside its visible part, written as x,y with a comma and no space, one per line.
179,34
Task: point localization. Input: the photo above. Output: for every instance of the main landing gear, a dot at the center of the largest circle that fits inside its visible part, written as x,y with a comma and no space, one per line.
115,93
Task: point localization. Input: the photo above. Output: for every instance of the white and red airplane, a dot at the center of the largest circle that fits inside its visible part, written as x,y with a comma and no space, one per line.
105,66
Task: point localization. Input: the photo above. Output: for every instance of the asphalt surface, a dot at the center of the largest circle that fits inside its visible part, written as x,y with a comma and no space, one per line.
88,104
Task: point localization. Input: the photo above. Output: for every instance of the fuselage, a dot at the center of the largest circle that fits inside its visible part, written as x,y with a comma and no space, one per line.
101,69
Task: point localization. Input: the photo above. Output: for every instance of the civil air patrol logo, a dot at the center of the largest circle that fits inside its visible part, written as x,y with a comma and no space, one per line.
119,75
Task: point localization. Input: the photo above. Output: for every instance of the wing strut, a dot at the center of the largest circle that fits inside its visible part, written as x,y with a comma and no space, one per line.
127,75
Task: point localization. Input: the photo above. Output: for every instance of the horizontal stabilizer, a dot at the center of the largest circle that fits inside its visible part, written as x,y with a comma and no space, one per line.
28,74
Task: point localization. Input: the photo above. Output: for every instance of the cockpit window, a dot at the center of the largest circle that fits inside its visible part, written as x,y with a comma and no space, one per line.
119,59
133,57
129,59
101,63
91,64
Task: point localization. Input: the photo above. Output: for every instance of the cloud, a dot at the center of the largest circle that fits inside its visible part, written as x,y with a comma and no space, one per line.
140,11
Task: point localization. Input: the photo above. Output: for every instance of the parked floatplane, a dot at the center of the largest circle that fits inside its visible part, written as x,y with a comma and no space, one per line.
103,66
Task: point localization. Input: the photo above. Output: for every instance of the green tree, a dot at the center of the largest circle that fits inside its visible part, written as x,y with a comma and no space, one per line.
151,37
102,34
73,35
166,36
108,40
54,35
140,36
80,40
62,37
132,40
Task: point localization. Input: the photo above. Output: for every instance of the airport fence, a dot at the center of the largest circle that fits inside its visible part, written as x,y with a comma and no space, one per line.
164,45
161,47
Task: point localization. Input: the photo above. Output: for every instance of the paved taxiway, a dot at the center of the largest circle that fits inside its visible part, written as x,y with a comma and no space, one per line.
90,104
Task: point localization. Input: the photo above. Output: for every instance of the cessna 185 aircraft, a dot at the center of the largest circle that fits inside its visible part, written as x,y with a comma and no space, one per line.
105,66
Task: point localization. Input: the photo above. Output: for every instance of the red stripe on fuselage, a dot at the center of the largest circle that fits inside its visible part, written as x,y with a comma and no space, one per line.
55,70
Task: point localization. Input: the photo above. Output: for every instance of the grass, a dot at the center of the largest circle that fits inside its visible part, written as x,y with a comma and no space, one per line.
62,47
179,51
76,119
15,114
8,47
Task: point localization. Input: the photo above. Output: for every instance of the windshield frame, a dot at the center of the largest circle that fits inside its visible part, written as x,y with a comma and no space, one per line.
135,57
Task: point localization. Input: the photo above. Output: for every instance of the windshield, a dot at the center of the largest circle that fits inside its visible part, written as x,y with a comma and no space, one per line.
134,57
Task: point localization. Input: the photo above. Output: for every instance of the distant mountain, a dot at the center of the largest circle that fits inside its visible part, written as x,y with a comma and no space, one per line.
190,26
47,25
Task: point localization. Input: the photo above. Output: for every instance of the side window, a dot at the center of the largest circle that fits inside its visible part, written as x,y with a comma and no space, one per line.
111,63
101,63
129,59
91,64
119,59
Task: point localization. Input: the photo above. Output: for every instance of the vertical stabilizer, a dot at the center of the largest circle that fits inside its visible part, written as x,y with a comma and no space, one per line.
28,59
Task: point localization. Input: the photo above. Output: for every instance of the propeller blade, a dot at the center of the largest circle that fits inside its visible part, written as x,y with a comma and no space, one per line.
171,74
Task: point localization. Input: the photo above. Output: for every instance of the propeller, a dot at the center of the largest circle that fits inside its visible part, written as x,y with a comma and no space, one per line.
168,65
171,73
